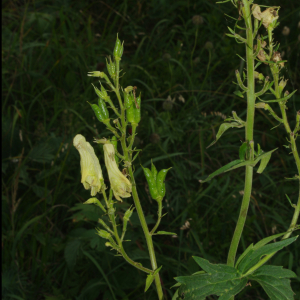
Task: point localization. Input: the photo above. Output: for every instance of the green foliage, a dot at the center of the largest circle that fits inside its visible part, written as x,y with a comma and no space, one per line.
47,49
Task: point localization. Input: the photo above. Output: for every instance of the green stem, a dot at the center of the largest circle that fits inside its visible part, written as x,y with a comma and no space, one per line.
143,222
119,241
159,217
249,135
146,233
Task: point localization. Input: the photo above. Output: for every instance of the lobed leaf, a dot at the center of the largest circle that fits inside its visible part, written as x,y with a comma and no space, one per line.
274,281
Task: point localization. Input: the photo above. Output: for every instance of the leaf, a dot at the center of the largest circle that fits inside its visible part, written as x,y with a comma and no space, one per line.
237,164
223,128
254,255
166,232
238,93
222,170
263,163
149,281
243,255
222,280
150,278
274,281
243,150
281,99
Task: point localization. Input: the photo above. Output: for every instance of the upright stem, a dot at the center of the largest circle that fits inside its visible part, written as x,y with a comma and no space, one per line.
147,234
249,134
144,225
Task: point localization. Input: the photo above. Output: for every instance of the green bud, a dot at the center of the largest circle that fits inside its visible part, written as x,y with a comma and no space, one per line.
282,85
111,67
102,233
128,214
118,50
96,74
128,89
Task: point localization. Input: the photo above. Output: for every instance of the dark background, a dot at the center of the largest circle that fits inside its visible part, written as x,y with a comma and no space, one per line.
49,247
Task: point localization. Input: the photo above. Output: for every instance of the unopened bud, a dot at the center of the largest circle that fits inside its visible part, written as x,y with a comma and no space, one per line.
96,74
282,85
259,76
128,89
260,105
102,233
286,93
128,214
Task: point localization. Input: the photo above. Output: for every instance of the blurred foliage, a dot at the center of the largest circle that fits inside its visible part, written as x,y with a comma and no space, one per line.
184,72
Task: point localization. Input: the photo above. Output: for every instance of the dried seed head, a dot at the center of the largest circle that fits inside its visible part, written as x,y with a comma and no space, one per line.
261,55
277,57
154,138
268,16
285,31
197,20
209,45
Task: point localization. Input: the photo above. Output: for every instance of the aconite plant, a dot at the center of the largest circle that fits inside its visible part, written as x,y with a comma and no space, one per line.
222,280
127,113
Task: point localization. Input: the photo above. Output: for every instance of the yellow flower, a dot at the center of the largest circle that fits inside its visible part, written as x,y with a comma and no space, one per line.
120,185
91,173
268,16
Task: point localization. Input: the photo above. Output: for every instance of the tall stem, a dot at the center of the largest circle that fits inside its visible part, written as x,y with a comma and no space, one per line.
143,222
249,134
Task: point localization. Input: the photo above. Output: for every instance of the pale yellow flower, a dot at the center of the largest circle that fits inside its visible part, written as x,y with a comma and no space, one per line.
120,185
91,173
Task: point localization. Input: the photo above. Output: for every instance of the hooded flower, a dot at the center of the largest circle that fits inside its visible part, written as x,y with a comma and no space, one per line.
268,16
120,185
91,173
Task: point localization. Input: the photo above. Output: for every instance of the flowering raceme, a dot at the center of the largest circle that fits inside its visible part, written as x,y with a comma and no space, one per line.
120,185
91,173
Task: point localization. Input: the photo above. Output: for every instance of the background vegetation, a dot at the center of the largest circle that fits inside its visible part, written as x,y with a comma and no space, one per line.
184,72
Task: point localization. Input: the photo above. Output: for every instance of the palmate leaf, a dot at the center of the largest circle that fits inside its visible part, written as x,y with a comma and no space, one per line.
220,280
275,282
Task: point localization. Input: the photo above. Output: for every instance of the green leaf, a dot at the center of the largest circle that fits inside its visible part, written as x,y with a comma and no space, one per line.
281,99
274,281
263,163
149,281
222,170
223,128
254,255
221,280
166,232
71,252
238,93
243,150
150,278
243,255
237,164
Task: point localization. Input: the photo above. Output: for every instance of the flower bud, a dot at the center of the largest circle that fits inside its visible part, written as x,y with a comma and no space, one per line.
128,89
260,105
128,214
282,85
91,173
259,76
120,185
96,74
102,233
